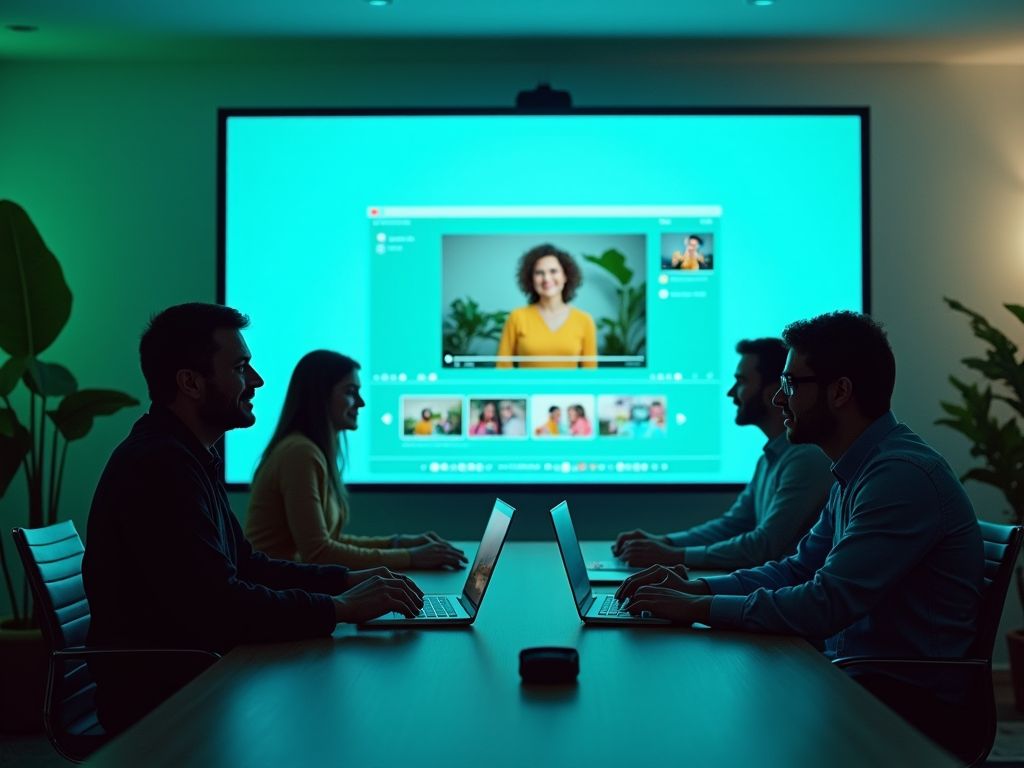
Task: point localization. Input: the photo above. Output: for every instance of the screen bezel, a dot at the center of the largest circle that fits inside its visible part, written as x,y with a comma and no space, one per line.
224,114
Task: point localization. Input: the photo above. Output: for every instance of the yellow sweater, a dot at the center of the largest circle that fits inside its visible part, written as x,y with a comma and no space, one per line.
526,333
294,514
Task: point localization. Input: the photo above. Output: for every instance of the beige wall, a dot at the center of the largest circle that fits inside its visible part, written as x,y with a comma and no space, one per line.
116,163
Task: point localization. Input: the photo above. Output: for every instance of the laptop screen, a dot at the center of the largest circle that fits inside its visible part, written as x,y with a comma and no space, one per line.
487,555
571,554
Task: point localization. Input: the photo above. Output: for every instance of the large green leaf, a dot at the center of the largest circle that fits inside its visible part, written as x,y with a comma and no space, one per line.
13,449
49,379
10,372
35,302
613,262
75,414
8,422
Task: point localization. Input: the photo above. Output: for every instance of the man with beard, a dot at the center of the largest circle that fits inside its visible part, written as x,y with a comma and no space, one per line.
894,566
167,565
779,505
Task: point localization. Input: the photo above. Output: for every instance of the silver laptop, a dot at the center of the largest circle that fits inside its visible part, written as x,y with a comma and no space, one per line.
593,609
452,610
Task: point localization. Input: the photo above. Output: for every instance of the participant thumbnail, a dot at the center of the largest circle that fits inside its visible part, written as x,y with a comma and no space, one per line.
494,287
554,416
688,250
497,417
437,416
632,416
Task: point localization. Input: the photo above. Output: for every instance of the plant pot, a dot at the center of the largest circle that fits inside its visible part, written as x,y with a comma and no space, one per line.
23,667
1015,643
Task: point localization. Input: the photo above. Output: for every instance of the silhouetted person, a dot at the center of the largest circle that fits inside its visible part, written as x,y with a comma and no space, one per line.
781,502
167,565
894,566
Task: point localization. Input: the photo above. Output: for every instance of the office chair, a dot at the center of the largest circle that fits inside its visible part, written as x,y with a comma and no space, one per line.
52,558
1002,547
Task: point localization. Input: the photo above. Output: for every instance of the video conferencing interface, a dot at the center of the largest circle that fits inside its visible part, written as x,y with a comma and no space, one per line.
535,299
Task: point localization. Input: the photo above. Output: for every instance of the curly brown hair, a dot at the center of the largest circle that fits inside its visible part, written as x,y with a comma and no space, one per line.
573,275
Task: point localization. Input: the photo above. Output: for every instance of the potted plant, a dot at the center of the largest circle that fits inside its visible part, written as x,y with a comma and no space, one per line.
625,334
35,304
466,323
999,443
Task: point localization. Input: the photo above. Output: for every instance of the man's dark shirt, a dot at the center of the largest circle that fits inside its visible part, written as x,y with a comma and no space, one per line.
167,566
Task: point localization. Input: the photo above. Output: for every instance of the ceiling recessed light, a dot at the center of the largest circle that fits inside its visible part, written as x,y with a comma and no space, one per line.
378,3
761,2
22,28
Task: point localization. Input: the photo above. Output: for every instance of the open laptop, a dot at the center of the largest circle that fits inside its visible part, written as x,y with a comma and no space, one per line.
453,610
593,609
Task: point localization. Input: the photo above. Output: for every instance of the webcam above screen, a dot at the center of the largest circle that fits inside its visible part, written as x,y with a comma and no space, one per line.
536,299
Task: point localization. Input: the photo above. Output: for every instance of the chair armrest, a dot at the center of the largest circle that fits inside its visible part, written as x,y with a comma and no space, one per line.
851,662
84,652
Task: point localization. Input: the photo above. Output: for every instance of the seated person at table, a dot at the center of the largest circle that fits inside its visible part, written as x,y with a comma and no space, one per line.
547,326
893,567
779,505
167,565
298,507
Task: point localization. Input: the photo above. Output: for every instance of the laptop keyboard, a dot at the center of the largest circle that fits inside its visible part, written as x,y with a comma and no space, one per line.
436,608
613,608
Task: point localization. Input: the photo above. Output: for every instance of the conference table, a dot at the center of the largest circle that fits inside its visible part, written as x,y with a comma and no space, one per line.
452,697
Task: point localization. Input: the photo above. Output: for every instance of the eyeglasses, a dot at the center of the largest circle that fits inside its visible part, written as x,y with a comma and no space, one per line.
786,382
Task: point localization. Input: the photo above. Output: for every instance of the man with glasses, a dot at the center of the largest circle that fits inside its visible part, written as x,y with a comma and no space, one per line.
894,566
780,503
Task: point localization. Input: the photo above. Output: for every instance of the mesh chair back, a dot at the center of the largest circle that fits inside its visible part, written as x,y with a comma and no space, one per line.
52,558
1002,547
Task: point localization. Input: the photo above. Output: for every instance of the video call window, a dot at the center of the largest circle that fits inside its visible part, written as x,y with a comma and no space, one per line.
425,418
492,285
632,416
497,418
688,251
562,416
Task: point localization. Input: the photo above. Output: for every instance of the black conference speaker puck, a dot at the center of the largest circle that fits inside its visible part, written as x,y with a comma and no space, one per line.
549,666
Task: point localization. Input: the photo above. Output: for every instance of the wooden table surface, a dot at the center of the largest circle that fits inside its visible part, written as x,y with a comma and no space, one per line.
654,696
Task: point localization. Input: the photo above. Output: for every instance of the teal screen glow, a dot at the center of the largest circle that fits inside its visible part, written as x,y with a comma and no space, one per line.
396,239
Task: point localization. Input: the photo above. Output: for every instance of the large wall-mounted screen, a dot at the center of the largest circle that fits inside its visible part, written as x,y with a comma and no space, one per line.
426,245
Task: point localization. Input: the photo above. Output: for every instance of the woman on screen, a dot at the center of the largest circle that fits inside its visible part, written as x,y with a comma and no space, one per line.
488,423
547,326
298,506
579,425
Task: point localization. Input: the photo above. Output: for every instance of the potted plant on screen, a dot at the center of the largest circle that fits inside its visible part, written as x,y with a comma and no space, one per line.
51,413
999,443
626,333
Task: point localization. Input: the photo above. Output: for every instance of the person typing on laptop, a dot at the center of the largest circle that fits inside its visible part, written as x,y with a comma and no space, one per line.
893,567
167,565
790,486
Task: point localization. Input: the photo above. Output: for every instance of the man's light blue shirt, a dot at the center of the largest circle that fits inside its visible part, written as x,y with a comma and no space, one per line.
893,567
779,505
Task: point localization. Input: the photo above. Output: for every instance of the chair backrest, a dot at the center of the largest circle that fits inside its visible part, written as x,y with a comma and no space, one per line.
1002,547
52,558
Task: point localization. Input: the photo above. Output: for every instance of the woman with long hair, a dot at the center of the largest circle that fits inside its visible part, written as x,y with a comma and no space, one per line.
298,506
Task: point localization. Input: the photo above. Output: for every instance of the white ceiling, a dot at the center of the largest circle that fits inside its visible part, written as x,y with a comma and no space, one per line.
524,18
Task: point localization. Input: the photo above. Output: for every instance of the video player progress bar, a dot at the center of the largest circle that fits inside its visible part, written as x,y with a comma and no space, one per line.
545,358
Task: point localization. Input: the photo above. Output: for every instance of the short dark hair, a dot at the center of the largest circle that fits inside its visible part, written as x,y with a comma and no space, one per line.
553,408
852,345
770,354
182,337
573,275
699,240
